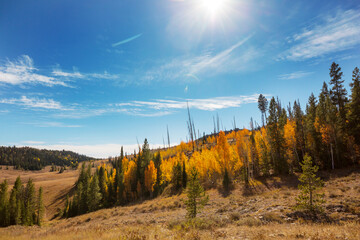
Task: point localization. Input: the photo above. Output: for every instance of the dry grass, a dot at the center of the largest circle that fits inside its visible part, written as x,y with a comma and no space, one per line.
263,212
55,185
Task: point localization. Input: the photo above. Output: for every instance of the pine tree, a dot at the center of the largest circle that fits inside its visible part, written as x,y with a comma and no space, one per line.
4,205
354,107
67,209
196,197
308,198
16,199
184,175
313,136
40,207
226,181
94,194
262,105
300,128
276,122
177,175
338,92
29,203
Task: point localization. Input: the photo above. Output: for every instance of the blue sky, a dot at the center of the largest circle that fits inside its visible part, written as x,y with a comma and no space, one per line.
91,76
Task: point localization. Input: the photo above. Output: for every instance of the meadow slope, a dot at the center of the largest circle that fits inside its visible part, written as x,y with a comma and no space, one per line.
265,212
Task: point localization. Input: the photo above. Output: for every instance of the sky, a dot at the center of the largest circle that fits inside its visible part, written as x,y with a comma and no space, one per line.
91,76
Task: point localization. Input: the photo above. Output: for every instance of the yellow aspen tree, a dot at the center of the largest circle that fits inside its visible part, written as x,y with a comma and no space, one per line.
290,143
223,150
262,147
150,177
130,178
125,164
244,153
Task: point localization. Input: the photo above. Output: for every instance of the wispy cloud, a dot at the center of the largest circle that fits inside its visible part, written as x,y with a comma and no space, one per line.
236,58
164,107
33,142
78,75
22,71
294,75
43,103
60,73
126,40
335,33
53,125
161,107
218,60
153,108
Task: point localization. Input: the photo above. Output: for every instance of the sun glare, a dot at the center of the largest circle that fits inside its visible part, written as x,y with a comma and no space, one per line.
212,7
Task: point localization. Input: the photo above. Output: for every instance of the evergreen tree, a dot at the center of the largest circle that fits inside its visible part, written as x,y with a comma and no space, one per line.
300,129
94,194
29,216
158,162
226,181
262,105
338,92
67,208
308,198
354,107
196,197
4,205
313,136
144,161
275,131
184,175
16,202
40,209
12,207
177,175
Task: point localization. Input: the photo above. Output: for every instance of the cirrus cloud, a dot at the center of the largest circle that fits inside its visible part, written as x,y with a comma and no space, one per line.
334,33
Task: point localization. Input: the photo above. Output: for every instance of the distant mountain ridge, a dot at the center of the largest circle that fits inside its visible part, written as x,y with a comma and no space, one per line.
28,158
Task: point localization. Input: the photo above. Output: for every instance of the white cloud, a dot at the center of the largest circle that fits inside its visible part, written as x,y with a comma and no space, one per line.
164,107
60,73
336,33
54,124
220,61
22,71
35,103
77,75
33,142
294,75
97,150
153,108
231,60
186,89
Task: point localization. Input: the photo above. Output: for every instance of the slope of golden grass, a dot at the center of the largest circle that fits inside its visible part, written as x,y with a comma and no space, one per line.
265,212
55,185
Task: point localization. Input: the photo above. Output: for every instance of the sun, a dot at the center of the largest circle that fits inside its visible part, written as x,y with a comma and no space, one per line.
212,7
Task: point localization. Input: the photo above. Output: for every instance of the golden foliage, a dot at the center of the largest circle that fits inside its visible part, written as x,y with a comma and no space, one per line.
150,176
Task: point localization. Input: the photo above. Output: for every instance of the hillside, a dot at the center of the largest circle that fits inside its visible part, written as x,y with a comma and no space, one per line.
35,159
265,212
56,185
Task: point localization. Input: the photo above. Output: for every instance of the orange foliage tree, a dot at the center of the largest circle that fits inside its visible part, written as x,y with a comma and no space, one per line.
150,177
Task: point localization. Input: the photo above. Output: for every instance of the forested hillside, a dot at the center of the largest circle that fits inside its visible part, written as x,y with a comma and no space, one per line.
328,132
35,159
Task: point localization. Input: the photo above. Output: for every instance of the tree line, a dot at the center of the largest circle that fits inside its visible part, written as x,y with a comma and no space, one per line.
23,206
35,159
328,132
